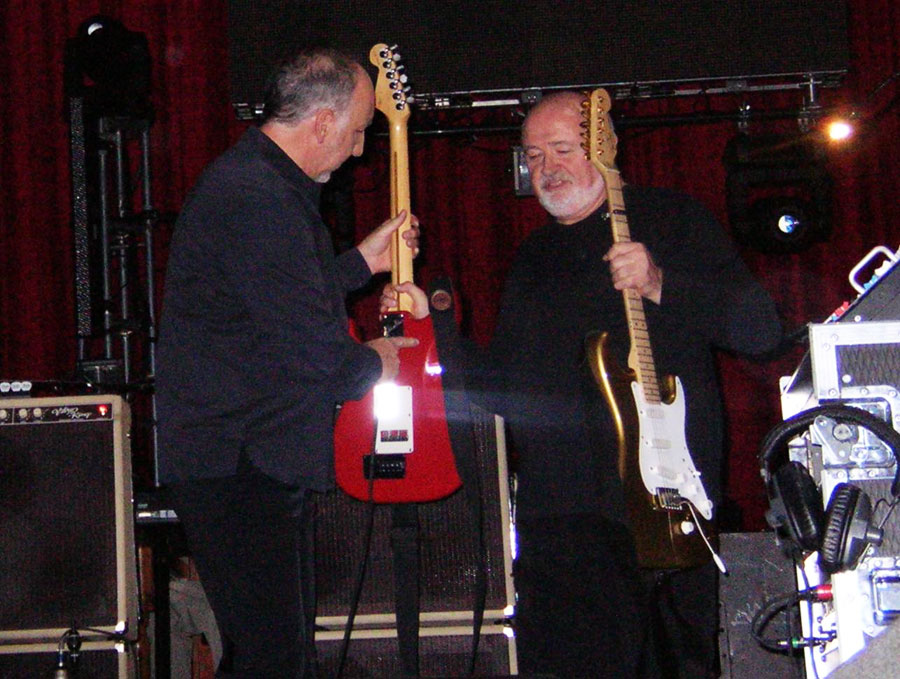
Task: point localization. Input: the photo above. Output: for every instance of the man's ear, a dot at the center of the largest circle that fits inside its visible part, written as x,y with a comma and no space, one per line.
324,123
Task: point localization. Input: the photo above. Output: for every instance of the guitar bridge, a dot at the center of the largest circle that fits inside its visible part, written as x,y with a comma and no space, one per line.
384,466
669,498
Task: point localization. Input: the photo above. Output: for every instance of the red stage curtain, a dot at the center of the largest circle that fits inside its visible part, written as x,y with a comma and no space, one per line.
462,189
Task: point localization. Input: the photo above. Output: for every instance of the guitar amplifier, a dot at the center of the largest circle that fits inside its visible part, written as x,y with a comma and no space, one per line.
66,526
448,562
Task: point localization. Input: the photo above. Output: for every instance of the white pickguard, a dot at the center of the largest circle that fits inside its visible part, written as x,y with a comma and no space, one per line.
665,461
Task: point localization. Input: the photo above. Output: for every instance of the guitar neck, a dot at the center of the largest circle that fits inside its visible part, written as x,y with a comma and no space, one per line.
640,356
401,255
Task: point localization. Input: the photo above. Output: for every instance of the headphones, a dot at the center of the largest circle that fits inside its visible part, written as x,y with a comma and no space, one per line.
842,532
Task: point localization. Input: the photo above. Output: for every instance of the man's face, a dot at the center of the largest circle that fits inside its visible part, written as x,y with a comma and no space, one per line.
349,133
568,186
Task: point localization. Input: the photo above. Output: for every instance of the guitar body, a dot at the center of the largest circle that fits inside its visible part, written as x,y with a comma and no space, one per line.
652,447
428,471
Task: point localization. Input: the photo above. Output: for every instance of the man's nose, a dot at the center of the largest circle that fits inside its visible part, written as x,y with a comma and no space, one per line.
550,165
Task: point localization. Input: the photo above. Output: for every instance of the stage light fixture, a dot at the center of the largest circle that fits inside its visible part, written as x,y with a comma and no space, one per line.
778,191
109,66
839,129
784,224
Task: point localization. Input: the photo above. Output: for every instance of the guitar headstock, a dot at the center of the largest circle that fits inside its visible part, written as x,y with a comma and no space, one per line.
392,96
600,144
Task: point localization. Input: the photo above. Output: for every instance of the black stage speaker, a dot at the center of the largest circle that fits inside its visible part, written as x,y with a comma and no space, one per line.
448,564
66,523
96,660
457,46
757,573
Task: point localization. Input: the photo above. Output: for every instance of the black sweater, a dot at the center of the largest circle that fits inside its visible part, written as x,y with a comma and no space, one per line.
254,349
558,291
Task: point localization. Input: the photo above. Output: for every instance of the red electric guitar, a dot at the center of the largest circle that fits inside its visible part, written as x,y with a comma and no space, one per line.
393,446
665,500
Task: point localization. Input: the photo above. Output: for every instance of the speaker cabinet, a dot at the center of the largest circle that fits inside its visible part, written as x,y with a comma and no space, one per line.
757,573
96,660
66,522
444,651
448,563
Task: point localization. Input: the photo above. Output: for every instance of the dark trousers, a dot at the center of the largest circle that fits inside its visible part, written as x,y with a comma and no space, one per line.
252,541
586,610
685,606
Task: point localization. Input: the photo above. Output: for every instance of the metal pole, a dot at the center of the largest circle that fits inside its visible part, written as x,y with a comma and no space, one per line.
149,223
104,251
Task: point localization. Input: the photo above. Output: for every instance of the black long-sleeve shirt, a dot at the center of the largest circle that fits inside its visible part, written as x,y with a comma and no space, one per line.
559,290
254,349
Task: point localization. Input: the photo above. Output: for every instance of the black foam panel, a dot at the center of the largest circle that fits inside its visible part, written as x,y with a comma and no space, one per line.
458,46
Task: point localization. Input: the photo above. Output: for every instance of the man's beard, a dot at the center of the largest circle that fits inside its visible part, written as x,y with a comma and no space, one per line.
572,200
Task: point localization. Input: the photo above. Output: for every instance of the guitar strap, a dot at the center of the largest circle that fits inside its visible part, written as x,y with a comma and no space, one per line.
405,518
461,427
405,548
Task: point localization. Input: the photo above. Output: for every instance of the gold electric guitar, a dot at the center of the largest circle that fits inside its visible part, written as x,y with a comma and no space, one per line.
666,503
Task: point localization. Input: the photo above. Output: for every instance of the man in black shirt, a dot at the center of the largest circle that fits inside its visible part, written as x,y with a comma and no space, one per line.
254,354
585,607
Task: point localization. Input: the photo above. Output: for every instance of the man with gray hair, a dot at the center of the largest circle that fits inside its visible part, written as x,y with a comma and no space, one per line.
254,354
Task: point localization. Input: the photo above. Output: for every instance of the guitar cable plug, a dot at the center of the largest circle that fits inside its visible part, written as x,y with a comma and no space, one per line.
716,558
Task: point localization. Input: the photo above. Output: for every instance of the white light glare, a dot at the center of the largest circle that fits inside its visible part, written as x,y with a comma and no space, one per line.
839,130
387,401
